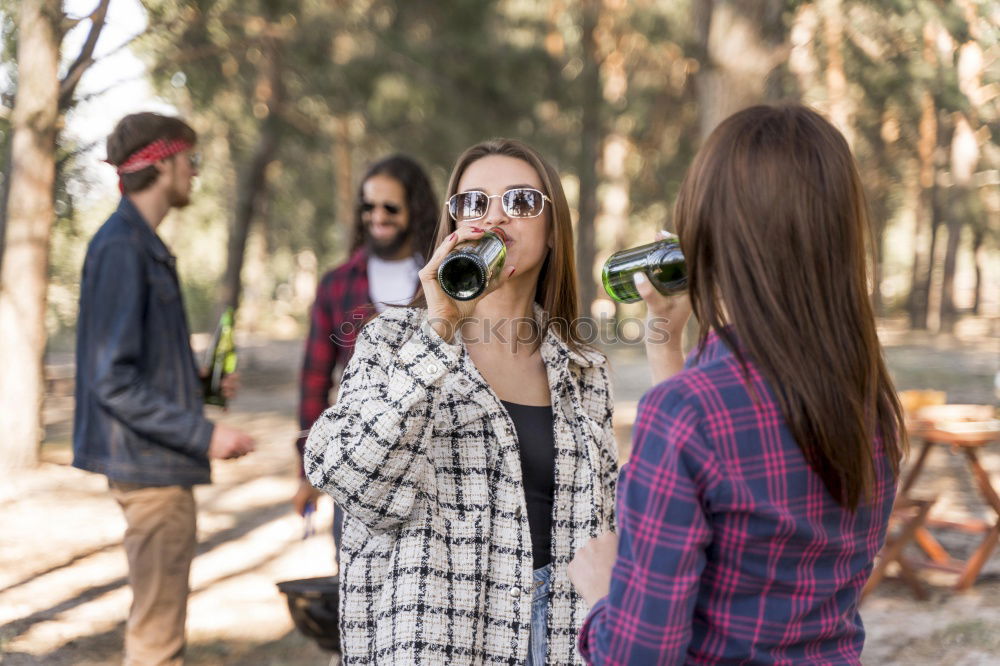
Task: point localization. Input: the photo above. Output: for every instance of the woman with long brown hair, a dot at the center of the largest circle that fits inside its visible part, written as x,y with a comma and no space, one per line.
471,446
762,476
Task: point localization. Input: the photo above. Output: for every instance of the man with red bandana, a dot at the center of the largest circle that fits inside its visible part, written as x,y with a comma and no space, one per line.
138,417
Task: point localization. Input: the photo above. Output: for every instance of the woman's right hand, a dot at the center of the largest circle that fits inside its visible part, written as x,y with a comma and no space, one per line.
665,320
444,313
304,496
666,317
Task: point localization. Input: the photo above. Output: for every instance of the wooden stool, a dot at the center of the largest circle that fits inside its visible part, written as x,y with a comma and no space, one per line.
911,514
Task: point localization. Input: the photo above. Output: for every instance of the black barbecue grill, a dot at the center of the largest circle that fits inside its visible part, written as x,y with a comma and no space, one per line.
314,606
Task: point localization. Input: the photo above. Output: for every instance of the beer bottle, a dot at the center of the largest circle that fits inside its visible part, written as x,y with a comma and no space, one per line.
662,262
222,360
473,265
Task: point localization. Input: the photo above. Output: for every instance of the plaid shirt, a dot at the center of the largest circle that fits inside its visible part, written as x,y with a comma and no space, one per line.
342,305
730,548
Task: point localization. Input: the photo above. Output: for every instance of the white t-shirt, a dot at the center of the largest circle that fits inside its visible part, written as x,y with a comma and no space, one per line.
392,282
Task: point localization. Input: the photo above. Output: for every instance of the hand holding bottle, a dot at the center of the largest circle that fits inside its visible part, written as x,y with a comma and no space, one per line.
666,317
444,313
231,385
661,262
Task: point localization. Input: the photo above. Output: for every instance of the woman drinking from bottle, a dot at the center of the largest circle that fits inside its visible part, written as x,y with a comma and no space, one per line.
471,446
762,476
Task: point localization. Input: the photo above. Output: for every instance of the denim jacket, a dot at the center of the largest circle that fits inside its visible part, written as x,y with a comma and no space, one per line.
138,398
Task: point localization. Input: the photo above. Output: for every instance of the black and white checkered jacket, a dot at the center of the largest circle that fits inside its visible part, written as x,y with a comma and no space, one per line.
436,561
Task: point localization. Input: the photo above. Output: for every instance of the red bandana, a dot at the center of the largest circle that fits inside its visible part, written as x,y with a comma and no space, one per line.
148,156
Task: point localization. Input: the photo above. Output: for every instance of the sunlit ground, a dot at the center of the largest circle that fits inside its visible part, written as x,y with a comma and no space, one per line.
63,588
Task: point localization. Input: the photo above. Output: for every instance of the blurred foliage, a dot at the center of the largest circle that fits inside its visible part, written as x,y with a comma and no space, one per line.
362,78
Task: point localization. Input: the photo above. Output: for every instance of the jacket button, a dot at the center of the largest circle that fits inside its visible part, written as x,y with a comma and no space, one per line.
432,368
517,513
515,591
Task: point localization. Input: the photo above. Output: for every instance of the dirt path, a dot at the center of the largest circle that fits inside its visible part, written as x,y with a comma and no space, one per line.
64,596
63,588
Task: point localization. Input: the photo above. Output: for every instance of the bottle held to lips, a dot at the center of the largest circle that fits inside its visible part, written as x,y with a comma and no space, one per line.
662,262
473,266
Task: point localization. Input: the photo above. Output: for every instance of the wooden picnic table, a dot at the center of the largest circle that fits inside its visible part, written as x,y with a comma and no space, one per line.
965,429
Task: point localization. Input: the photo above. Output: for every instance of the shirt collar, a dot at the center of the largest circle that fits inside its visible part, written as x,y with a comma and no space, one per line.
407,262
714,349
358,261
150,239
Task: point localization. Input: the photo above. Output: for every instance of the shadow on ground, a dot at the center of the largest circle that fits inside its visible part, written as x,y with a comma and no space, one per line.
63,591
105,649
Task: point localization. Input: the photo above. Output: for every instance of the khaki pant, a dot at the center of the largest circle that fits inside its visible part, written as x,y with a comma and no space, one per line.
159,543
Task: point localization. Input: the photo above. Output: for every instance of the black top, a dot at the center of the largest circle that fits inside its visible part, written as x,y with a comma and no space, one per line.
538,471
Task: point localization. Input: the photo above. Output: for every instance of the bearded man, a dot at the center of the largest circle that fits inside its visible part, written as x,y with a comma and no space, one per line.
395,219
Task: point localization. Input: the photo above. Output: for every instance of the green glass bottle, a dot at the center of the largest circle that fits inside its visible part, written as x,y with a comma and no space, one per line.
473,265
662,262
222,360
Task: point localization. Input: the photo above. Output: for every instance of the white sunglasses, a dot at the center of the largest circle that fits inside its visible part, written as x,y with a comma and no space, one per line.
517,202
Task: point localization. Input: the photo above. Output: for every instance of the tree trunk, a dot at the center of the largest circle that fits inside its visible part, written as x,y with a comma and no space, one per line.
956,220
5,195
964,158
251,186
30,216
742,43
836,79
590,145
937,220
977,243
344,183
251,189
922,264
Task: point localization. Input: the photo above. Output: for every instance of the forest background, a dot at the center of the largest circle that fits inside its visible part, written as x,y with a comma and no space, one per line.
292,98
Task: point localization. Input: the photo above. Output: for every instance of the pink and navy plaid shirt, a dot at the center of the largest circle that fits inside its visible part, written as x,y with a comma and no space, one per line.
731,550
342,305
